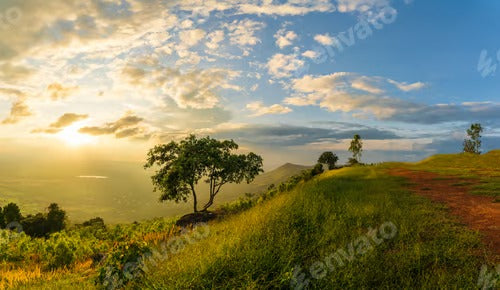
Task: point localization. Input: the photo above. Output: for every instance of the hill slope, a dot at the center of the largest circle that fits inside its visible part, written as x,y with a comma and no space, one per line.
345,229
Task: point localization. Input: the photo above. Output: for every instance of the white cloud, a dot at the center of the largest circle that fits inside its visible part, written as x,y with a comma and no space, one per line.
284,38
324,39
366,84
292,7
310,54
281,65
406,86
215,38
191,37
259,109
242,33
360,5
185,24
335,92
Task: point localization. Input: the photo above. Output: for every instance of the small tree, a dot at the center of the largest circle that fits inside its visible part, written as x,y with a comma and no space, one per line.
356,147
182,165
328,158
56,218
472,144
12,213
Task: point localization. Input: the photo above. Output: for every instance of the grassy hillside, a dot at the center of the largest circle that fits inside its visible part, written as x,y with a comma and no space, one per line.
484,168
350,228
123,196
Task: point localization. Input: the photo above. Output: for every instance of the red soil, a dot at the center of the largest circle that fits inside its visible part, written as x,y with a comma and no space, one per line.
478,212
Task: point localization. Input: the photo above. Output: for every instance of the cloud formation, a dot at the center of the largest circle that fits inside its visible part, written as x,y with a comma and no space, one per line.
364,96
56,91
126,126
259,109
64,121
18,111
196,89
282,66
285,38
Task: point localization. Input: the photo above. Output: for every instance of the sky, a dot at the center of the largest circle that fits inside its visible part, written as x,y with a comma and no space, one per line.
287,79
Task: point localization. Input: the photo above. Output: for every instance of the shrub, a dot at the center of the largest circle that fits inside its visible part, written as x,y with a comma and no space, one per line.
61,254
123,264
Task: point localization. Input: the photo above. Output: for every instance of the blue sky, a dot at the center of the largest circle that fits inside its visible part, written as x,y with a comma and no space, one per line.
109,77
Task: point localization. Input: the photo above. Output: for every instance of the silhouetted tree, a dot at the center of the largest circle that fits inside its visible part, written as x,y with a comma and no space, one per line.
328,158
12,213
35,225
182,165
56,218
472,144
356,147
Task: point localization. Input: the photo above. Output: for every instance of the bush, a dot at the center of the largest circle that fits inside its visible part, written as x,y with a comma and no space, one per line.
123,264
61,255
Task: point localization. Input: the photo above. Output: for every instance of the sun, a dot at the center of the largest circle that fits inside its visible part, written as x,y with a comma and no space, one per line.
72,137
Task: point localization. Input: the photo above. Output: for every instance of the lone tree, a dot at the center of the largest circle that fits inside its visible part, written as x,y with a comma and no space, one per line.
182,165
328,158
356,148
472,144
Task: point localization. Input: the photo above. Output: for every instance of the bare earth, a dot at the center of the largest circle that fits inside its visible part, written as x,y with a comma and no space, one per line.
478,212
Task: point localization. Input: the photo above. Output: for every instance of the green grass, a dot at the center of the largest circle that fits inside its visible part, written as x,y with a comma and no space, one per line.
483,169
262,244
261,247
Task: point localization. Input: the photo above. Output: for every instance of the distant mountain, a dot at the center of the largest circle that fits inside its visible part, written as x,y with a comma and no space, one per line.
261,183
279,174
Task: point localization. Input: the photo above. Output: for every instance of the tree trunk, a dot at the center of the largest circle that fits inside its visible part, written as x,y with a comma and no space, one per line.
195,200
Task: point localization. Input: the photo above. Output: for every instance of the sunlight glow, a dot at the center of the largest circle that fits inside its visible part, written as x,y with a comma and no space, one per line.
71,136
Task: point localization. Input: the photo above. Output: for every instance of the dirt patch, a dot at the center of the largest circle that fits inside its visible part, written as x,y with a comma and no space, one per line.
480,213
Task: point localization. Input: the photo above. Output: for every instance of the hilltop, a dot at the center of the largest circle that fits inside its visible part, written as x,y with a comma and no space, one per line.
355,227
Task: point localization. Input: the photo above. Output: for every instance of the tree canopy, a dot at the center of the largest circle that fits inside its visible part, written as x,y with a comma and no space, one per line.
356,147
472,144
328,158
181,165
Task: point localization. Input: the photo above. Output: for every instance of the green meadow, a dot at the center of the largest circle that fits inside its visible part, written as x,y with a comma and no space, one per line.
355,227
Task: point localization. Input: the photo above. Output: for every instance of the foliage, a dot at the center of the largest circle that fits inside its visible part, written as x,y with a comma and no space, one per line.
35,225
12,213
182,165
473,142
356,147
328,158
95,222
353,161
123,264
55,218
